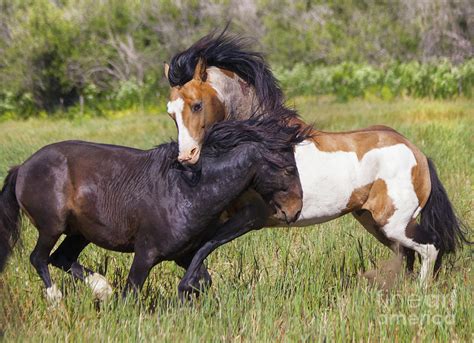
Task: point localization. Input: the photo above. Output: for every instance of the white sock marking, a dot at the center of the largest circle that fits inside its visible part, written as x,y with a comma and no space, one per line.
53,294
99,286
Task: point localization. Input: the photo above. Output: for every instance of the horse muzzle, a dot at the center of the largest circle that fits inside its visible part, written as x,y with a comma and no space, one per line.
189,157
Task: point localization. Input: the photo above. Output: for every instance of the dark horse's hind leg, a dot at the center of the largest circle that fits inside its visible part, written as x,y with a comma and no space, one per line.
201,280
251,217
39,260
65,258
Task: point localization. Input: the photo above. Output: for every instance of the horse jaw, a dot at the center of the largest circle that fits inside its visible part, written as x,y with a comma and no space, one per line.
238,97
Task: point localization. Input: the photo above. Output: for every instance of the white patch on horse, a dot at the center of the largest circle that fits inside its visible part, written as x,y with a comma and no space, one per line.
329,178
99,286
229,91
185,140
53,294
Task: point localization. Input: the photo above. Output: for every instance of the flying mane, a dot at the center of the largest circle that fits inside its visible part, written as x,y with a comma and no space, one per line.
233,53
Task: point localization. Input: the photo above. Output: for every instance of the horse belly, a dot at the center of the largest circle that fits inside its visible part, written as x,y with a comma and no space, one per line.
327,179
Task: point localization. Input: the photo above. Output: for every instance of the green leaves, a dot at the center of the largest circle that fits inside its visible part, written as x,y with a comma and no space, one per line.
437,79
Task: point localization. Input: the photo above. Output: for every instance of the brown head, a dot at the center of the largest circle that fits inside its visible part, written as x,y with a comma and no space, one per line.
194,107
219,77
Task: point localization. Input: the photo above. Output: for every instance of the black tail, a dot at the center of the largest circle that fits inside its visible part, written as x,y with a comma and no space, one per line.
9,216
439,219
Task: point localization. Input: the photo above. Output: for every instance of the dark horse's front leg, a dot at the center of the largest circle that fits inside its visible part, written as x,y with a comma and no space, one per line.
201,279
250,217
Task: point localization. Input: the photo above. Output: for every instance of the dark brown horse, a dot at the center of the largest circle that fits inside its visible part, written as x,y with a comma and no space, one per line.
131,200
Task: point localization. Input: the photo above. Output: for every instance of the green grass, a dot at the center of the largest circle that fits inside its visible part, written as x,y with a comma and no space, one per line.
272,285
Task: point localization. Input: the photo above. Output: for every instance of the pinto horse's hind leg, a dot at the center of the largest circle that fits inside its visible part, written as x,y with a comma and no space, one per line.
365,218
65,258
39,260
398,230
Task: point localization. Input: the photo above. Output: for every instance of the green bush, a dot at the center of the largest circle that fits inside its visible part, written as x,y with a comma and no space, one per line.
348,80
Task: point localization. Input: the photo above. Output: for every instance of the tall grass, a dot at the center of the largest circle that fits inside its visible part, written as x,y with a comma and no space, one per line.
273,285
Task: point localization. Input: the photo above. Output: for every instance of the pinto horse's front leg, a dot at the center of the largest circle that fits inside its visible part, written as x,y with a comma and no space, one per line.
252,216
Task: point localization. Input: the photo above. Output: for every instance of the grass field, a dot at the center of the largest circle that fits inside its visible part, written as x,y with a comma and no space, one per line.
271,285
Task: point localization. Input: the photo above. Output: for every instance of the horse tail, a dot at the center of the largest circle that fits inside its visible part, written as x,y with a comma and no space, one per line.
439,218
9,216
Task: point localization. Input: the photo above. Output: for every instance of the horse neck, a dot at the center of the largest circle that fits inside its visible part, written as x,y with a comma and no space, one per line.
238,97
222,180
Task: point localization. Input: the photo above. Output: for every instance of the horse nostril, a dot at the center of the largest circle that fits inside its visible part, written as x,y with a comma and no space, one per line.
183,159
193,151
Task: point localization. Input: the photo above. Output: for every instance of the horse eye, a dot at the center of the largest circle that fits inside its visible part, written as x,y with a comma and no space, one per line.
196,107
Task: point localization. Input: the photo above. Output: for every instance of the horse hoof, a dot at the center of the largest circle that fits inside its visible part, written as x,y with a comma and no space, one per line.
54,295
99,286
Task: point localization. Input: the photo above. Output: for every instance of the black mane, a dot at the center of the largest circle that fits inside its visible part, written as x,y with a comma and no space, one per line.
233,53
274,134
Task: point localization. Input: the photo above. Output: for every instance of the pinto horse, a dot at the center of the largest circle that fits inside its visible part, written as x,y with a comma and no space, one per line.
374,173
131,200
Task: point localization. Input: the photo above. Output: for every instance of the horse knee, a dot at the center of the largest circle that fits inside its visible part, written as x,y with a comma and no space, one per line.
37,261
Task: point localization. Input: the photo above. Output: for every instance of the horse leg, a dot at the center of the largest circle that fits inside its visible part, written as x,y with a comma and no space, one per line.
364,217
65,258
250,217
425,244
144,260
202,280
410,256
401,225
39,260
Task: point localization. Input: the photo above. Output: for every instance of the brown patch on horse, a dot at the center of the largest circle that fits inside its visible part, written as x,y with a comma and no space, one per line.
359,141
379,203
420,177
358,198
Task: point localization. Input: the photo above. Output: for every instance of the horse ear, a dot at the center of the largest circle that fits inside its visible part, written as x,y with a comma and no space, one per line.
166,69
200,72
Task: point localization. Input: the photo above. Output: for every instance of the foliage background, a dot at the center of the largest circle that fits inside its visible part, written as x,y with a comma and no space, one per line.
97,56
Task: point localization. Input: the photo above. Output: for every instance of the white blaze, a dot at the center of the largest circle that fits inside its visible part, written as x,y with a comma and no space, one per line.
185,141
